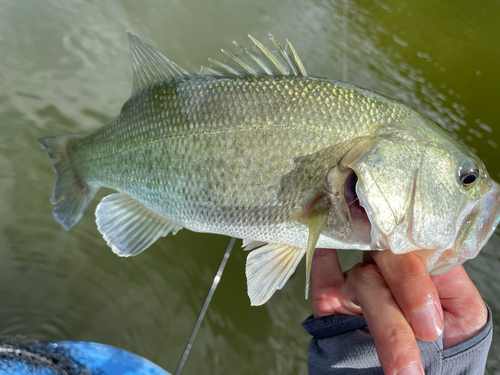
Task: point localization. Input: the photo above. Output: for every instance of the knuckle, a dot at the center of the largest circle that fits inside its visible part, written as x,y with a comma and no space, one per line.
400,334
321,252
475,314
414,269
370,274
406,266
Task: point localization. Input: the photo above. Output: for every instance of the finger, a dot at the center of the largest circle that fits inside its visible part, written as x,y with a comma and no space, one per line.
464,311
413,291
395,342
328,287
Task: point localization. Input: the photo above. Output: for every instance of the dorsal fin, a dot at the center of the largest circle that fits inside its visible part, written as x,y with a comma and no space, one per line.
258,61
150,66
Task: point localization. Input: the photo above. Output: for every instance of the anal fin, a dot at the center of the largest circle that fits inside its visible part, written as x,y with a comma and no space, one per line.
268,269
129,227
251,244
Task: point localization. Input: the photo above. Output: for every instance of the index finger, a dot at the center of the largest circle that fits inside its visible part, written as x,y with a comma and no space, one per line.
395,342
413,291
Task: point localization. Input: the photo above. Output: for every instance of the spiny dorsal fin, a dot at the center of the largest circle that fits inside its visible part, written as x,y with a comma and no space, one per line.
150,66
258,61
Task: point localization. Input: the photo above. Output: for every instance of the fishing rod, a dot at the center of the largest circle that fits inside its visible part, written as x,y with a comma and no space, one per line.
205,306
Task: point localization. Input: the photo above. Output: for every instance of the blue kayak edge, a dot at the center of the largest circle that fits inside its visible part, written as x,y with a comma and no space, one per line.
98,359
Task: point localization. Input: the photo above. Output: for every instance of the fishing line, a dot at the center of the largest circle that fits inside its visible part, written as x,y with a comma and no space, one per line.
344,35
357,199
205,306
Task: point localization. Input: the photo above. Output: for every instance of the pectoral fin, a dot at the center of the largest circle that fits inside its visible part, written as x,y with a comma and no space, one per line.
316,222
268,269
129,227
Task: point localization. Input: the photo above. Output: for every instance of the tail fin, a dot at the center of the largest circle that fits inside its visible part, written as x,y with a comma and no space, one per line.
71,194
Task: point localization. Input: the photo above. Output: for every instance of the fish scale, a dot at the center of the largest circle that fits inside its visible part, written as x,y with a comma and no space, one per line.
254,148
170,141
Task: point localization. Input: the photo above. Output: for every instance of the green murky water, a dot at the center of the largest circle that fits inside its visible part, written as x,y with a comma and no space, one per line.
65,69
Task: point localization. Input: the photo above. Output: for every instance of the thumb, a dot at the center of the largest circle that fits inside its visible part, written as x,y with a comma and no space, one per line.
465,313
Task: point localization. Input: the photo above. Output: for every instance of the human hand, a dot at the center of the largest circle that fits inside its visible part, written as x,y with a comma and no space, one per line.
400,302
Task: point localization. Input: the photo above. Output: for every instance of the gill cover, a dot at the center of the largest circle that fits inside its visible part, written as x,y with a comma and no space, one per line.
414,199
386,184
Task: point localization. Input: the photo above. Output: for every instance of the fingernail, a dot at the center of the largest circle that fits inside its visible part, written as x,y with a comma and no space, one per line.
427,323
413,370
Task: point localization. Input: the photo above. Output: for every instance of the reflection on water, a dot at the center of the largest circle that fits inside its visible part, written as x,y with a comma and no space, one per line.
65,69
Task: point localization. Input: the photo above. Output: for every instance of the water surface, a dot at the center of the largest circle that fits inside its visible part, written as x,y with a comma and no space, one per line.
65,69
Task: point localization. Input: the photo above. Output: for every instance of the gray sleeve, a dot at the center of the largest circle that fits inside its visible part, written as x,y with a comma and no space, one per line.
342,344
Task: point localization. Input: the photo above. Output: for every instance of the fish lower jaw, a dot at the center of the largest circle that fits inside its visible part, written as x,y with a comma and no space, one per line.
438,262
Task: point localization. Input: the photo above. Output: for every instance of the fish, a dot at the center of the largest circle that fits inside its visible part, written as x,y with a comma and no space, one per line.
254,148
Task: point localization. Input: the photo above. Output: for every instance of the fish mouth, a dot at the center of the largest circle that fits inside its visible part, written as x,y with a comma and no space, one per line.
357,216
472,234
474,227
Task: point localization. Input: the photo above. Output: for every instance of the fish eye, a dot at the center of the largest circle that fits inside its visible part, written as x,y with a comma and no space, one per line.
468,174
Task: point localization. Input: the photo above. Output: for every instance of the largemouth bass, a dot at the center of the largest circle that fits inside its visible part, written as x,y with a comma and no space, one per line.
254,148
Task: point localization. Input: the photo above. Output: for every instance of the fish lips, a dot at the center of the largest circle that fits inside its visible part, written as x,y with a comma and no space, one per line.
476,225
472,233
